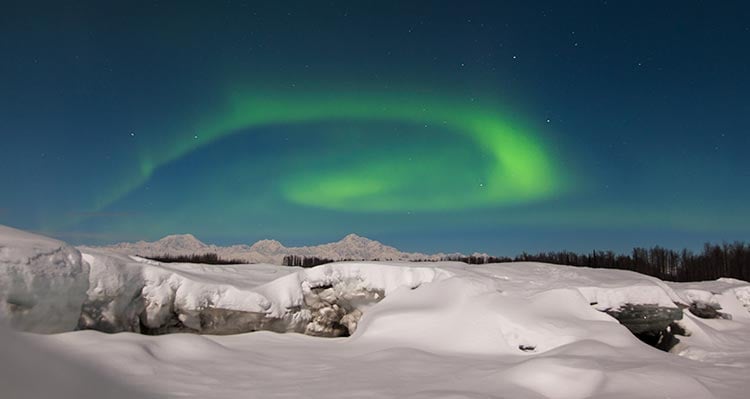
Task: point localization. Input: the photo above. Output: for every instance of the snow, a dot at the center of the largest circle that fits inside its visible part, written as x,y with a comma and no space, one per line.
731,295
42,282
270,251
288,291
127,291
427,330
30,368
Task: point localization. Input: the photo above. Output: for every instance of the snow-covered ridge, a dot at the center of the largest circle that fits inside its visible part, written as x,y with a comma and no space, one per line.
271,251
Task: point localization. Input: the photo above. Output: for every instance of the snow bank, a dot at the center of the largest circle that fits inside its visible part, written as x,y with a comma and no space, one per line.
43,282
128,293
114,300
470,316
731,296
288,292
134,294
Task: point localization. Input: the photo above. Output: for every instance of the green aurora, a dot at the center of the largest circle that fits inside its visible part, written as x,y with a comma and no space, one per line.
494,127
508,165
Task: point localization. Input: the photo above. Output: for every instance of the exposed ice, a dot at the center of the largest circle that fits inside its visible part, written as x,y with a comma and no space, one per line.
43,282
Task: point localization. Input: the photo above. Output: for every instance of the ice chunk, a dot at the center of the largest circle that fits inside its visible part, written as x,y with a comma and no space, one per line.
43,282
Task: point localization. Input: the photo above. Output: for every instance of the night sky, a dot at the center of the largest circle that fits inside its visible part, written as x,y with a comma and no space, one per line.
432,126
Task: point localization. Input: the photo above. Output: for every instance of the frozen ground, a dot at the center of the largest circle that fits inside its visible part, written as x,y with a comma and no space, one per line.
441,330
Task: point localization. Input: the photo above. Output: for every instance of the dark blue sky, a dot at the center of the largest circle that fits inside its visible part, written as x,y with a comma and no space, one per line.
454,126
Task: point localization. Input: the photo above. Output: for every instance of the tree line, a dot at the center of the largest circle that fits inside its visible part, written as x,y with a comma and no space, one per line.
714,261
207,258
304,261
476,259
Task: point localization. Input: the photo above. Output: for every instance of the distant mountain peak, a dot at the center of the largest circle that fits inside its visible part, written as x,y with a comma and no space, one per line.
180,237
267,246
356,239
351,246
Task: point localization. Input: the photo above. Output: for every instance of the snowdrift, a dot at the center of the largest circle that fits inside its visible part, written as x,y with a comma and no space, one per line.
524,330
133,294
43,282
514,308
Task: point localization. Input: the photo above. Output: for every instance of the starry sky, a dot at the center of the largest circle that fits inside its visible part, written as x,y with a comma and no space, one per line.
496,126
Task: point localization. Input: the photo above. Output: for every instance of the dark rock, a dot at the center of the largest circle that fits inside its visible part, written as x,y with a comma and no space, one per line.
654,325
677,329
708,311
645,318
663,339
527,348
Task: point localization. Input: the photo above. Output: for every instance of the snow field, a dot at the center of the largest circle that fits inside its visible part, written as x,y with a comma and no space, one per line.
442,330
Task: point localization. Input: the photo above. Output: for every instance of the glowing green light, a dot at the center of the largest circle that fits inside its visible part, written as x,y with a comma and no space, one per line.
508,165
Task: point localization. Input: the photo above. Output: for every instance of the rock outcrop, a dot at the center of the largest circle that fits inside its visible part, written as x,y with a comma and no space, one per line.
652,324
708,311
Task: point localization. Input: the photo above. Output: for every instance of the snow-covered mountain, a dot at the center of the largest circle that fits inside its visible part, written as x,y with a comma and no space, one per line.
178,244
271,251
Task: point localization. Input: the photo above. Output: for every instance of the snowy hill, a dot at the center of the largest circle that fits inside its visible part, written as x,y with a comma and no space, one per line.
271,251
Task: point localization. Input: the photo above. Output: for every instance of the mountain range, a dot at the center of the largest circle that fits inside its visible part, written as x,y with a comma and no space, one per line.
352,247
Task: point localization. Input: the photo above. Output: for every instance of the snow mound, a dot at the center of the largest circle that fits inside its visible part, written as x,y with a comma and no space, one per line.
43,282
453,307
289,291
729,296
470,316
138,295
743,295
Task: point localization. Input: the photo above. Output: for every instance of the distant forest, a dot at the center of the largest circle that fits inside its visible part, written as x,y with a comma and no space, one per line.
207,258
312,261
307,261
714,261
